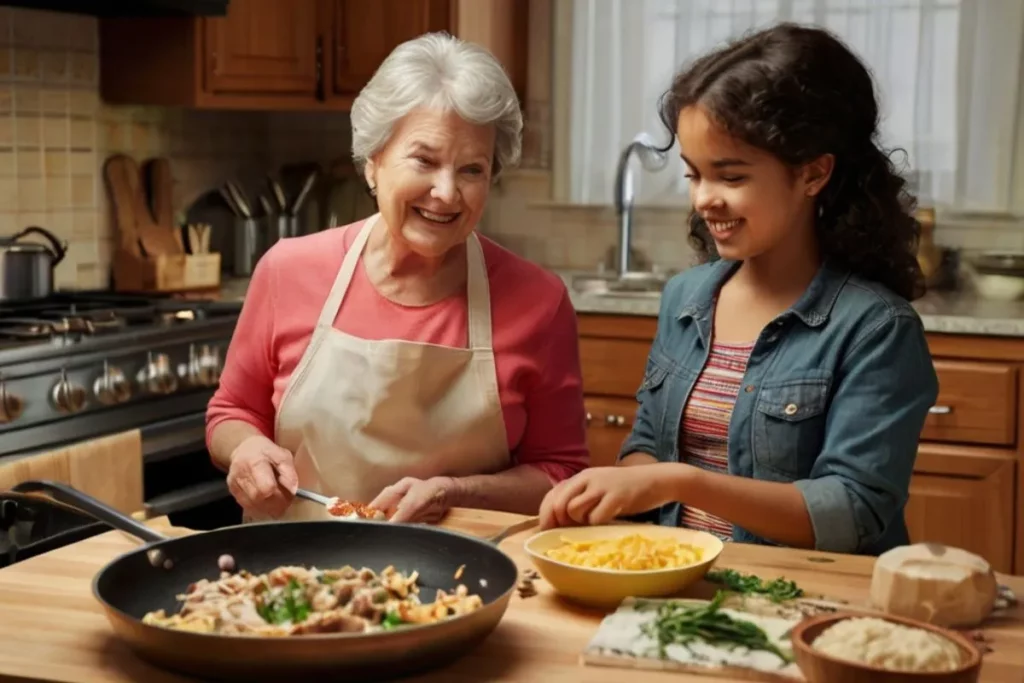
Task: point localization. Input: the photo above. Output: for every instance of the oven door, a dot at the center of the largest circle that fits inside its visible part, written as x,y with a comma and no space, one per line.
179,478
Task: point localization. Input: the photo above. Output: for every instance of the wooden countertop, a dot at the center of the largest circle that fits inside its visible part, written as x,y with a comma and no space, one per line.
52,629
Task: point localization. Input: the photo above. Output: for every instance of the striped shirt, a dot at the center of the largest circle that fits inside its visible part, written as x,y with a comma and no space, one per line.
704,436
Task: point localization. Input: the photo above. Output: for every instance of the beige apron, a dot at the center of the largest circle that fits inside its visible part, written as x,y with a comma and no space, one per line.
359,415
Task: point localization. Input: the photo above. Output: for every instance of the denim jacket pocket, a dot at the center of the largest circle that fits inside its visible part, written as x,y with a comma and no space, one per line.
789,426
654,377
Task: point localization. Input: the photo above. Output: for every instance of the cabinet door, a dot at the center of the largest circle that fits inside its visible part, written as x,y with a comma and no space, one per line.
365,33
263,46
609,422
963,497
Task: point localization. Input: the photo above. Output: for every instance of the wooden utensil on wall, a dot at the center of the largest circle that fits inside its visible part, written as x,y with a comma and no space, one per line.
108,469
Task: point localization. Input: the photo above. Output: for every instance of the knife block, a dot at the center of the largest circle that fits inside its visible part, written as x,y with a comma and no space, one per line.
166,272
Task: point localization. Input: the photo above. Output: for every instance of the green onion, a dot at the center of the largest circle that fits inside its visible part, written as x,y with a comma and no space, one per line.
391,620
677,623
290,606
778,590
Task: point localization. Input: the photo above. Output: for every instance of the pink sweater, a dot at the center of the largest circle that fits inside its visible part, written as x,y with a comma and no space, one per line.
534,334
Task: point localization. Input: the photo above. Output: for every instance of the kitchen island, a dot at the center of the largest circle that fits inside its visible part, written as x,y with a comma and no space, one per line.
54,630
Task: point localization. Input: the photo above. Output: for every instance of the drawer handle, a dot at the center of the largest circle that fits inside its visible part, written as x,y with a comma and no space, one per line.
940,410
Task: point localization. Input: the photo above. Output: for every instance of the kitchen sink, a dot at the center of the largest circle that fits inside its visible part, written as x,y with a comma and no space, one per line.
632,285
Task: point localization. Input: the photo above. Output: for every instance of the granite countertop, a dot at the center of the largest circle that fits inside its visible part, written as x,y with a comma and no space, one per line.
959,312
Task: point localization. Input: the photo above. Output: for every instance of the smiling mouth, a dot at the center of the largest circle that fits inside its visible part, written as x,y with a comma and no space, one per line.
442,218
722,227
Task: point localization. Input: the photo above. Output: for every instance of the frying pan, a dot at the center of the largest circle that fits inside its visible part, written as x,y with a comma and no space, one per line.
150,577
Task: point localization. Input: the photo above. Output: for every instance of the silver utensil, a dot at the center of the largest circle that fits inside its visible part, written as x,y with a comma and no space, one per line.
229,200
497,538
278,192
513,529
303,193
239,197
313,497
265,203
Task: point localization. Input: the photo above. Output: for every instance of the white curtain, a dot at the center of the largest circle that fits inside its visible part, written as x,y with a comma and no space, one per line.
947,73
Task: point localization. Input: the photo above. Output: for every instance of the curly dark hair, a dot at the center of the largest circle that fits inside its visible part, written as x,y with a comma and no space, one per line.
798,93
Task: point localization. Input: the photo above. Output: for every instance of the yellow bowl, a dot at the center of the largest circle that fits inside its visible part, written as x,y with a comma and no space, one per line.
608,587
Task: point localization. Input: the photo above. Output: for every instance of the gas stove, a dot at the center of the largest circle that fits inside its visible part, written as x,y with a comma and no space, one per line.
84,364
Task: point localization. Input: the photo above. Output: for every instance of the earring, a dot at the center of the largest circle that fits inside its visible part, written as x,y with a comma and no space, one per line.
373,191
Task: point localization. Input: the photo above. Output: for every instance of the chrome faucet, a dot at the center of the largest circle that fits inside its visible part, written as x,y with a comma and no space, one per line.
651,159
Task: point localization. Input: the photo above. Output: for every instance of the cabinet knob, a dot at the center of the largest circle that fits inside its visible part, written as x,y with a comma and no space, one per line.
615,420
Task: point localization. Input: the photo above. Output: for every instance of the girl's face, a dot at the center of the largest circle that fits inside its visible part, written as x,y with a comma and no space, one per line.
751,202
433,178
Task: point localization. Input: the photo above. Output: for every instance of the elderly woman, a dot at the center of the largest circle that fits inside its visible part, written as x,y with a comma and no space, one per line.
405,361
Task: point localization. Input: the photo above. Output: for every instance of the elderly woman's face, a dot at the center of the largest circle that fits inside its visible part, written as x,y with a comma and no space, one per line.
432,179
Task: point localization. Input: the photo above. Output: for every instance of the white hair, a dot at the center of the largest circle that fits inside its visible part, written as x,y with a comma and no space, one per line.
436,70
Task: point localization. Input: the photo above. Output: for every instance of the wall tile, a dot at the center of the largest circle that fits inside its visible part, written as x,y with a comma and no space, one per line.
55,135
27,131
30,163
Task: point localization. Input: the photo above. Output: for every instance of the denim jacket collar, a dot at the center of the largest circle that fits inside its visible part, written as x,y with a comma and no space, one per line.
812,308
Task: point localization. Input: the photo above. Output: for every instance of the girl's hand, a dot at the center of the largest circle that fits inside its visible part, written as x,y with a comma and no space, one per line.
598,495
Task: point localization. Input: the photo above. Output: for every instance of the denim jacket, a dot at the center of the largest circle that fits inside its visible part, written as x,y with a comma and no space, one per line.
834,398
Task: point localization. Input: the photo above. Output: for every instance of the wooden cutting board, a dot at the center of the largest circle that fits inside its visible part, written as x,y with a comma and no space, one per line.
621,641
108,469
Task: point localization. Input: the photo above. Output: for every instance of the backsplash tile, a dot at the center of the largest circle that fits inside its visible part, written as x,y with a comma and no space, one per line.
55,134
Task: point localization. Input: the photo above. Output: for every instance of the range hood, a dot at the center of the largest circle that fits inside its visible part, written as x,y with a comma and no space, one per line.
128,8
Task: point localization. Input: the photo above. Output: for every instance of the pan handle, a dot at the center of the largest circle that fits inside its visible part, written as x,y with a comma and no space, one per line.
90,506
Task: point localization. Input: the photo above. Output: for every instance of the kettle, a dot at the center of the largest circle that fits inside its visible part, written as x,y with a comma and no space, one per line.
26,268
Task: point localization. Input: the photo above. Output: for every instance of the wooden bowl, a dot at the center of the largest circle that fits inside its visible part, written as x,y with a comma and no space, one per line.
818,667
606,588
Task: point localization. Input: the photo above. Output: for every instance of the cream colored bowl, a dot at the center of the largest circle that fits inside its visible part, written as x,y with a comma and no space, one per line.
607,587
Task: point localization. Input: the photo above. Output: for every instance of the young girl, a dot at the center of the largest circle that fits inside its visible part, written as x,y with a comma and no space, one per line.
789,378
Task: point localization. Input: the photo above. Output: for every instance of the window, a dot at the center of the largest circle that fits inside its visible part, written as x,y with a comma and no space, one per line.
947,74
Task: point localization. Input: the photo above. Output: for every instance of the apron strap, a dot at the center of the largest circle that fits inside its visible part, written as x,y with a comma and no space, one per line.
478,291
348,266
478,295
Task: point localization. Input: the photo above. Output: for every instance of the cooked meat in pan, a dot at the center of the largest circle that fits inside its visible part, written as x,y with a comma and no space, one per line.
295,601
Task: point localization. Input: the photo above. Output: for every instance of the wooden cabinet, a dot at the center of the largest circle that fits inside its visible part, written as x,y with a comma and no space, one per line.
968,481
263,47
364,33
289,54
965,497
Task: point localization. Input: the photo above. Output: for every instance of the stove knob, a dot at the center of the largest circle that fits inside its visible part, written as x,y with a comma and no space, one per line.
204,366
111,387
68,396
11,405
156,376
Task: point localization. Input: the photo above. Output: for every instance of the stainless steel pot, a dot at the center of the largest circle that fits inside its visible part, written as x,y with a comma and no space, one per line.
26,268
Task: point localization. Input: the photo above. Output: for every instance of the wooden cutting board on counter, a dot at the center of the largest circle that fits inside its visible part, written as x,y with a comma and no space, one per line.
622,640
108,469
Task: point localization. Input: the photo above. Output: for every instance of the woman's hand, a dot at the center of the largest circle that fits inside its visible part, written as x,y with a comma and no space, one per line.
598,495
417,500
262,476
